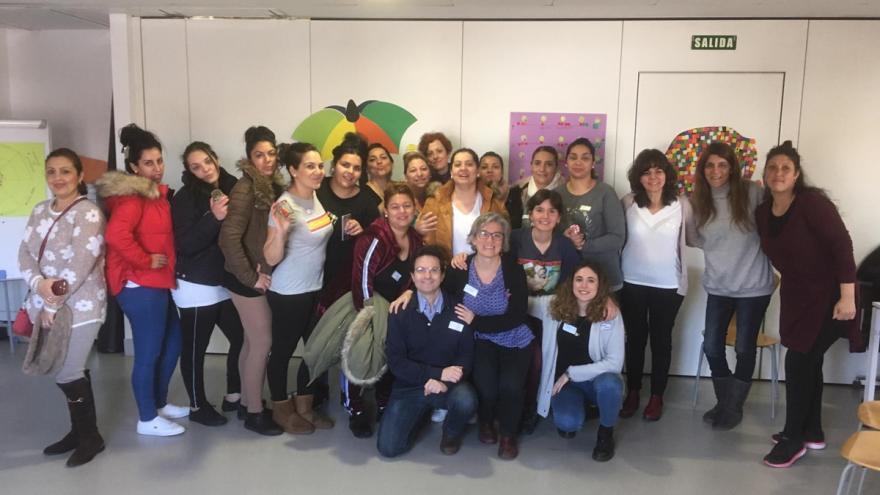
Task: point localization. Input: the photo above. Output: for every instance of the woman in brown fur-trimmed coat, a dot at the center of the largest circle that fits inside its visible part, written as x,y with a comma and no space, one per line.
241,239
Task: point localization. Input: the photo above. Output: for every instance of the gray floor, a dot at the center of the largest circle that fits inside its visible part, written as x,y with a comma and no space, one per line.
677,455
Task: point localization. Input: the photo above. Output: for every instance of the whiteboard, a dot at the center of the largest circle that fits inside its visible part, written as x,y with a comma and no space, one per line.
17,168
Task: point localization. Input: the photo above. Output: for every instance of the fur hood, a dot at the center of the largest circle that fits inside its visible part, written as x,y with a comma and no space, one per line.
266,190
115,183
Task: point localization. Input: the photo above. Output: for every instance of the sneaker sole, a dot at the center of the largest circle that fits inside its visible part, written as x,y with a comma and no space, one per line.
157,433
791,461
809,445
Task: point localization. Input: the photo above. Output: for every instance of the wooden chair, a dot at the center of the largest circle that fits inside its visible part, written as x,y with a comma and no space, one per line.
764,342
861,450
869,414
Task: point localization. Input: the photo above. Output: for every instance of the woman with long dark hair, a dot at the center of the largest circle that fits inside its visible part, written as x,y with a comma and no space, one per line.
593,220
806,240
738,278
198,210
140,273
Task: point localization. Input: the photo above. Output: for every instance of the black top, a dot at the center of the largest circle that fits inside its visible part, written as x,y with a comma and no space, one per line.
441,178
389,283
775,224
544,271
363,207
574,348
515,206
196,230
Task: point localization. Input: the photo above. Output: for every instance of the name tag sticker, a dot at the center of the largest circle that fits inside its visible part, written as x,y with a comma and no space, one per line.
569,328
396,276
470,290
529,265
585,207
454,325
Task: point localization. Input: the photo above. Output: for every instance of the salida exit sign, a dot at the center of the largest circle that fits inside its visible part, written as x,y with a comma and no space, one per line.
713,42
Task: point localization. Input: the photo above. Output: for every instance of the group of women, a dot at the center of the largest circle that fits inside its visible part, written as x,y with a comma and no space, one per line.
561,282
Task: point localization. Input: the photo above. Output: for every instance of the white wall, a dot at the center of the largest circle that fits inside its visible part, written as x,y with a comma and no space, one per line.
64,77
4,75
838,136
464,77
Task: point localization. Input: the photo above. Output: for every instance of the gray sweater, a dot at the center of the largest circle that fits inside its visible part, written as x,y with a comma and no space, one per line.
735,264
599,214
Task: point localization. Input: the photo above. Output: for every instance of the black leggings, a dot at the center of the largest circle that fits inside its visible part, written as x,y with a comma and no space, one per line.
648,311
804,382
197,325
500,379
291,321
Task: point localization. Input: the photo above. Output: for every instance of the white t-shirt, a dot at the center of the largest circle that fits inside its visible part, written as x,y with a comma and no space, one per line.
302,269
650,256
190,295
461,226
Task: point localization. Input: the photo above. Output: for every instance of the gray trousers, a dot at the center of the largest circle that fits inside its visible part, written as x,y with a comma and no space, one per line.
81,340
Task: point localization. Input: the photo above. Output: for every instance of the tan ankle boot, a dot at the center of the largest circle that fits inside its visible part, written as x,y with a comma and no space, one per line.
285,415
316,418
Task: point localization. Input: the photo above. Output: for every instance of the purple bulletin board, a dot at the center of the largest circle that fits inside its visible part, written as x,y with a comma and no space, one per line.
529,130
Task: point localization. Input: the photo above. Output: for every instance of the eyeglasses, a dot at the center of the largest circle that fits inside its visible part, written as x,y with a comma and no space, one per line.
495,236
421,270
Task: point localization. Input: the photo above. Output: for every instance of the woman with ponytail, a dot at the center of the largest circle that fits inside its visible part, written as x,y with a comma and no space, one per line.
296,244
140,273
248,275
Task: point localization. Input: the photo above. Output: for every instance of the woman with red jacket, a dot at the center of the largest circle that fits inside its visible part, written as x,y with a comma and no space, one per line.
140,272
383,257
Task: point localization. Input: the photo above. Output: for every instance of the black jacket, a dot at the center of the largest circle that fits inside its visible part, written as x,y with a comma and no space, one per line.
517,303
199,259
418,349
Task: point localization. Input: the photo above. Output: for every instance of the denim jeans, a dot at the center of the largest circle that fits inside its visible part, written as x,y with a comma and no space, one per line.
408,407
749,315
606,391
155,328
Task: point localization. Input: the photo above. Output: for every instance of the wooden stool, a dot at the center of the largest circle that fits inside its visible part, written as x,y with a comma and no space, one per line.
869,414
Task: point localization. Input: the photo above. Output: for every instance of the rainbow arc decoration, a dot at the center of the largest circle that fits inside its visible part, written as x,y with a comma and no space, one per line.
686,148
377,121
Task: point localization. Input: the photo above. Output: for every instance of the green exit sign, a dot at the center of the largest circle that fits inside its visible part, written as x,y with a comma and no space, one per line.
713,42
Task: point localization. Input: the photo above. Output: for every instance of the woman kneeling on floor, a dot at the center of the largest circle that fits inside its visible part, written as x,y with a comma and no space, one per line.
582,356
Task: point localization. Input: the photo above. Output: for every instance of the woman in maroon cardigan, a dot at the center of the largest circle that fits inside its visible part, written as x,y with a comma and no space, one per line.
805,238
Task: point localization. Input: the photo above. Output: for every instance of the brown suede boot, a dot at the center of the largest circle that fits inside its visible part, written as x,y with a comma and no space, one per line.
318,419
285,415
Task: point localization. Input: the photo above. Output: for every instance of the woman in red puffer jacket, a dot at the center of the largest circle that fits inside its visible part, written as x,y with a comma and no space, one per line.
140,272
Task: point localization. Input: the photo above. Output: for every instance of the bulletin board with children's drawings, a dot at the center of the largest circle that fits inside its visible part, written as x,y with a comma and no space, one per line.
529,130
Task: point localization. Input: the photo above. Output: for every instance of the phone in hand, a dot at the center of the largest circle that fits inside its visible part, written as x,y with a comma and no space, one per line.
343,221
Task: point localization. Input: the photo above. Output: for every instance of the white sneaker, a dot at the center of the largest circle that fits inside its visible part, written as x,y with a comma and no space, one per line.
159,427
438,416
170,411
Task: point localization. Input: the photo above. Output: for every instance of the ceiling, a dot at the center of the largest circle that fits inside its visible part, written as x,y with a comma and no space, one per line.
93,14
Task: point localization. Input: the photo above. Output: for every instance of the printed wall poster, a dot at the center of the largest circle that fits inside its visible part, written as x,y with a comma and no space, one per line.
529,130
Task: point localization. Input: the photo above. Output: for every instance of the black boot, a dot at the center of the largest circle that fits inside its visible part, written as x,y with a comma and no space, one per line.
81,404
66,444
604,449
720,385
262,423
732,412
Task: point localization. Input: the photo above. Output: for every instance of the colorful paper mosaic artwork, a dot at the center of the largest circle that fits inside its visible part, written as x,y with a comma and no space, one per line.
686,148
529,130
